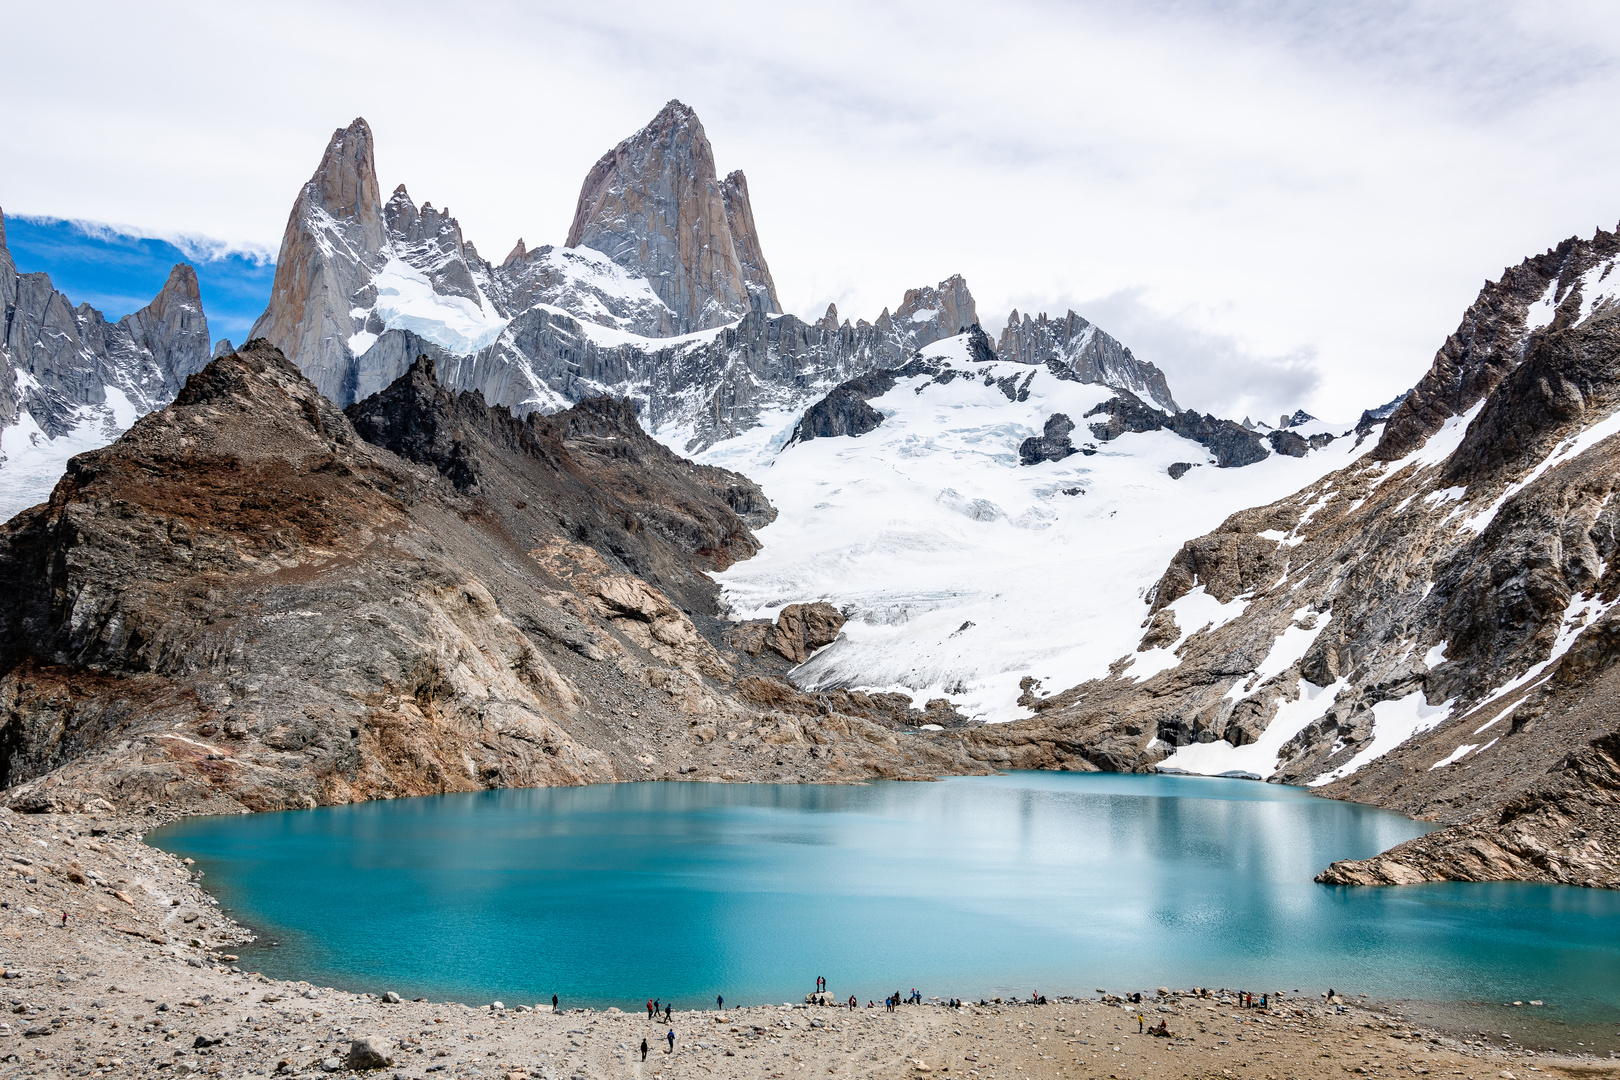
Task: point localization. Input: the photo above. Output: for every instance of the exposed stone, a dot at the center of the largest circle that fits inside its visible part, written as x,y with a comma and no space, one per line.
655,205
1288,443
1052,445
801,629
1232,444
1083,349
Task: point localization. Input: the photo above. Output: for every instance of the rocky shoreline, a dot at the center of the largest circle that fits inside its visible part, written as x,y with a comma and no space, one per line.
143,978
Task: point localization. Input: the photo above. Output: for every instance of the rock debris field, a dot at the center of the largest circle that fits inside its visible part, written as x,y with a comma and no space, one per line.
141,980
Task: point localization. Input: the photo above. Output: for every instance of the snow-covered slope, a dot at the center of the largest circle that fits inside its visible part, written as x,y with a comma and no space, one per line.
962,570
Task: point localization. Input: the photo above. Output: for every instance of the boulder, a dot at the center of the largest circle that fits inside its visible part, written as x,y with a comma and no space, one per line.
801,629
368,1052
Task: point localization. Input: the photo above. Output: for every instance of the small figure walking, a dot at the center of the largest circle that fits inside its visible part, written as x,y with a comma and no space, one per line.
671,1038
64,918
719,1001
649,1009
667,1008
644,1045
553,1002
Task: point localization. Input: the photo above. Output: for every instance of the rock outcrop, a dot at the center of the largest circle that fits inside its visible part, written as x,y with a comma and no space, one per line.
244,603
1232,445
1086,350
1053,444
68,377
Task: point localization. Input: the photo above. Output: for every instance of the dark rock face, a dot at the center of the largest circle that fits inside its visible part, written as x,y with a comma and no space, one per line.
1492,339
1232,444
1053,445
979,348
801,629
1082,351
1289,443
1179,469
1371,418
844,411
589,469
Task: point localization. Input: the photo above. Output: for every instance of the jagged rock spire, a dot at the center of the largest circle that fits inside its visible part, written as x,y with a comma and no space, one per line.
655,205
334,239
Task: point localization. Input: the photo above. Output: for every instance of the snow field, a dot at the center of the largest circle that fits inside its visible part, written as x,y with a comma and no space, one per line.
406,300
964,571
31,464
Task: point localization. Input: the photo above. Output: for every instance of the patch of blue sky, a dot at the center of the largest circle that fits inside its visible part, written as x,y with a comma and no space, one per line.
119,272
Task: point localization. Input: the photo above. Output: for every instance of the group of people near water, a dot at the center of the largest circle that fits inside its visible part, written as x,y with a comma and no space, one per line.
895,1000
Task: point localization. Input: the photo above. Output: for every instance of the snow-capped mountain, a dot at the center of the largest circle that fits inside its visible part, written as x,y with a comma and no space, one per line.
662,295
655,205
71,381
983,521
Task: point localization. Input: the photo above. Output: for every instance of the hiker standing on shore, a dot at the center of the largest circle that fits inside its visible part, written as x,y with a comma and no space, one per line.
553,1002
644,1044
852,1003
668,1008
719,1001
1141,1024
671,1038
649,1008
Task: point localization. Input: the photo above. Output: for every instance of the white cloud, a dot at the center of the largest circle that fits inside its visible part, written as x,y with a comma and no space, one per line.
1325,184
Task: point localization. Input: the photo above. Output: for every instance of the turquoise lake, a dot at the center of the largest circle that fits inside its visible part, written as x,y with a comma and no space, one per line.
970,887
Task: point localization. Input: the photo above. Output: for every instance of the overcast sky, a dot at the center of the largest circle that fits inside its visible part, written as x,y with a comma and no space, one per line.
1281,204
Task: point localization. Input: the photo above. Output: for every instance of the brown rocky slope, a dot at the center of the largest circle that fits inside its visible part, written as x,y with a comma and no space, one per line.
1430,628
243,604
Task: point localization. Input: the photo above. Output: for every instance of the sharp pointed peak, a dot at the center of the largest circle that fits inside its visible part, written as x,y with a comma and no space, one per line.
184,278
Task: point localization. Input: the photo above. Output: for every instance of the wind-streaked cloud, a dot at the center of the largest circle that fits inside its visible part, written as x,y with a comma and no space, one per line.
1297,199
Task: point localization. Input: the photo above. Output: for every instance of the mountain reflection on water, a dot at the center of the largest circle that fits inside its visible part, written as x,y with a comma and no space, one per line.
972,887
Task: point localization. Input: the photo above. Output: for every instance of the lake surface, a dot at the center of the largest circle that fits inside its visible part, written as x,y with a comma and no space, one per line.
970,887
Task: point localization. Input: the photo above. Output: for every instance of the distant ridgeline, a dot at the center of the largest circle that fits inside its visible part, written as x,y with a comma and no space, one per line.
683,320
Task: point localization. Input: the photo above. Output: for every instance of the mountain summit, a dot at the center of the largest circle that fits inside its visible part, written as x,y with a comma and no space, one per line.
661,295
655,205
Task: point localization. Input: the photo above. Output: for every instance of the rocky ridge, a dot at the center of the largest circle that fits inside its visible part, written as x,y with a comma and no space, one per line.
66,370
1428,628
661,295
245,604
